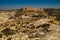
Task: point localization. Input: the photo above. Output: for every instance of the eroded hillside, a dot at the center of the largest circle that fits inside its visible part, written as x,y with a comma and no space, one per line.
30,23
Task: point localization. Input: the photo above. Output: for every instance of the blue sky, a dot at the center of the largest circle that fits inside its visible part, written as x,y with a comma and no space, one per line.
14,4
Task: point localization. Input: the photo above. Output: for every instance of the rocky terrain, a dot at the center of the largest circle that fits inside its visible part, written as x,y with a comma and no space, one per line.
30,23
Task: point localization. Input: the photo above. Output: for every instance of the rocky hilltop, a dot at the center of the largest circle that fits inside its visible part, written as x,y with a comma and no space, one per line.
30,23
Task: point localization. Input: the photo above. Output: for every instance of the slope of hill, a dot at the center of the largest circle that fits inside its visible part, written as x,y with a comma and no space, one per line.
30,23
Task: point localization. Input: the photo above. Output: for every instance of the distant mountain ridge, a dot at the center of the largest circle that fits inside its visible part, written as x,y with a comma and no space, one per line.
30,11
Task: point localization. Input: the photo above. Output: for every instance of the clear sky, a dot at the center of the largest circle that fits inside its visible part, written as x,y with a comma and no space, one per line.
14,4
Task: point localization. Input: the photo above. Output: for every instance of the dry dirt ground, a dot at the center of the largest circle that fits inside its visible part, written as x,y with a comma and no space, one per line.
30,24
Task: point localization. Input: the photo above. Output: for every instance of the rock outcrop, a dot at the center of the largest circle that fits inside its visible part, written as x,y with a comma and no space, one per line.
30,23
